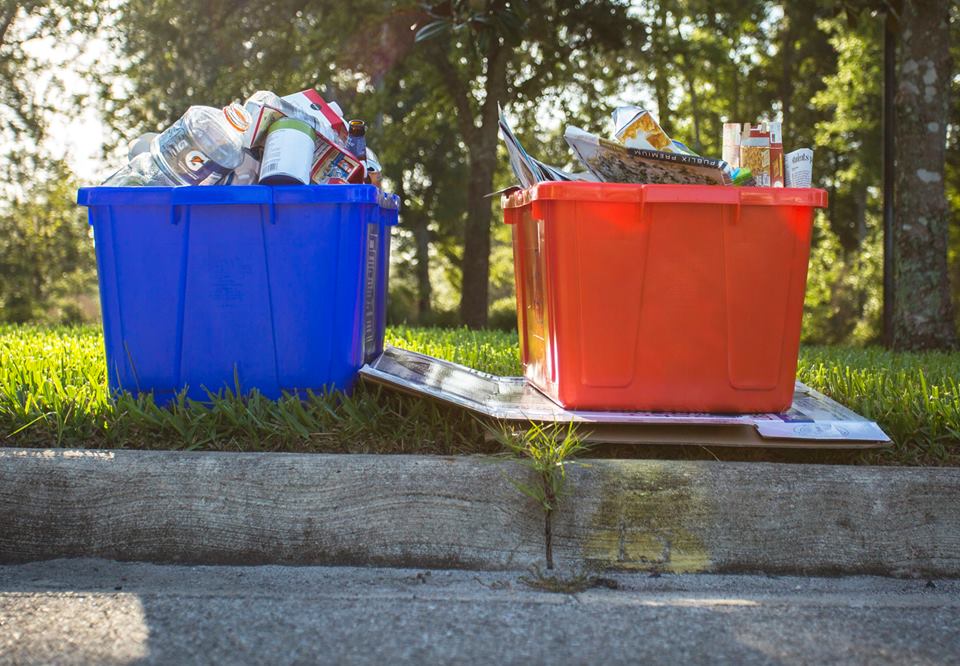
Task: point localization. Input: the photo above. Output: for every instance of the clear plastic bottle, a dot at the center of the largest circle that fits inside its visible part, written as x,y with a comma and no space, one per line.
141,171
204,146
140,145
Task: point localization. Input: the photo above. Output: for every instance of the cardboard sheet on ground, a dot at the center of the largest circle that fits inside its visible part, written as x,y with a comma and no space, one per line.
814,420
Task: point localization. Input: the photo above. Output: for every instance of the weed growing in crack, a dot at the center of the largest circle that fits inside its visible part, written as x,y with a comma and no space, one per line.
546,449
569,584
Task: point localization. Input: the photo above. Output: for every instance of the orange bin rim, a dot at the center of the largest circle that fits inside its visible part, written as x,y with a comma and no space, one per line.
687,194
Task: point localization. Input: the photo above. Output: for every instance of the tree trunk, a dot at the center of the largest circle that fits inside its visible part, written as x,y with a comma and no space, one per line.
695,108
690,78
421,236
417,221
922,307
860,216
661,86
482,148
661,83
476,242
735,116
786,72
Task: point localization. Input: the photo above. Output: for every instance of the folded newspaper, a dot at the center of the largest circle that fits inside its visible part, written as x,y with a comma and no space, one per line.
612,162
814,420
525,168
529,170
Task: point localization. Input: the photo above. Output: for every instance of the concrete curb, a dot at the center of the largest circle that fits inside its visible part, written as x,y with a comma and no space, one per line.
424,511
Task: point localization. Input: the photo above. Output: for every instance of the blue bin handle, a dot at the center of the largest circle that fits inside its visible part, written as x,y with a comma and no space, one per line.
215,195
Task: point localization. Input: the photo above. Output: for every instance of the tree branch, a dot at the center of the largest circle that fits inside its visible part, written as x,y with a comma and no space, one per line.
7,22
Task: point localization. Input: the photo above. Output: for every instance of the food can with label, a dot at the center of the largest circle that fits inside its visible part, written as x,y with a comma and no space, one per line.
288,153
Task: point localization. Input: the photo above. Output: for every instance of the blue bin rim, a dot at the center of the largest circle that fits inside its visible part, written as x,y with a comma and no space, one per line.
187,195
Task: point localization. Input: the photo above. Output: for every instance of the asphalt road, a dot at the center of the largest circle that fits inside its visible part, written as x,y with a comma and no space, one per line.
93,611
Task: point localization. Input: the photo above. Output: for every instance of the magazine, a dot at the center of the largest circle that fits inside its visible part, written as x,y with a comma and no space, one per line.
613,163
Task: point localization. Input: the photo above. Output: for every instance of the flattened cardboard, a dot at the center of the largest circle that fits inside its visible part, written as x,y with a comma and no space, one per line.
813,421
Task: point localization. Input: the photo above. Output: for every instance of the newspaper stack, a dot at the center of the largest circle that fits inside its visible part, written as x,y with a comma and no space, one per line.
528,170
641,152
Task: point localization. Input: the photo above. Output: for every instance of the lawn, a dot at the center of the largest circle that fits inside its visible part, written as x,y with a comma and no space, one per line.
53,393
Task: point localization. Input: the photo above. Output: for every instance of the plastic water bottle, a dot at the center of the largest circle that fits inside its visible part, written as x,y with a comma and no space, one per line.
202,148
141,171
140,145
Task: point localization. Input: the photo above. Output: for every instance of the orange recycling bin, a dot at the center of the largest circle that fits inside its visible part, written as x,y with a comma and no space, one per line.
661,297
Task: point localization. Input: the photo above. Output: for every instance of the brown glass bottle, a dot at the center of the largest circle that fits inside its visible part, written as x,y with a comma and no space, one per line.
356,139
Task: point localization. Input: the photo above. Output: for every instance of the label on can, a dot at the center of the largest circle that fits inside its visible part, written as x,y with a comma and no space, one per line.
191,165
288,153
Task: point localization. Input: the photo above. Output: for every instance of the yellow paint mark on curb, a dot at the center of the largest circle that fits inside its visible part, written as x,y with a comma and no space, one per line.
644,518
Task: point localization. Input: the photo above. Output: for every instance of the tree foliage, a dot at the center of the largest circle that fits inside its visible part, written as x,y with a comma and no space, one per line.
489,52
25,106
46,254
427,77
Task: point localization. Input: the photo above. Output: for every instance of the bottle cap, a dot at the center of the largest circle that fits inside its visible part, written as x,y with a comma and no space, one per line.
237,116
358,128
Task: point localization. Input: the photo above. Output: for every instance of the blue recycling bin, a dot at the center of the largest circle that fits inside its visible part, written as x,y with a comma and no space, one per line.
269,288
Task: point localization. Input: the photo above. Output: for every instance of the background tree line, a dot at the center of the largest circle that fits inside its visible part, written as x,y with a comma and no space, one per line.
427,78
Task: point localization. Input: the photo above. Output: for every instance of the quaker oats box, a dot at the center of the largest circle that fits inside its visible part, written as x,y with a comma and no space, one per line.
761,151
755,153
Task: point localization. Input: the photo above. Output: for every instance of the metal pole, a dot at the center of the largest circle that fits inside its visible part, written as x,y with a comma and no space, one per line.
889,147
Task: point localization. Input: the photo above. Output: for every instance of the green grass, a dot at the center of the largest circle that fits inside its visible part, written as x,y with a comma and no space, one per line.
914,397
53,393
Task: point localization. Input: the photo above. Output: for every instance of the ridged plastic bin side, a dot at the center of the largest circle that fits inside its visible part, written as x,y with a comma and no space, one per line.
237,287
375,329
660,297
